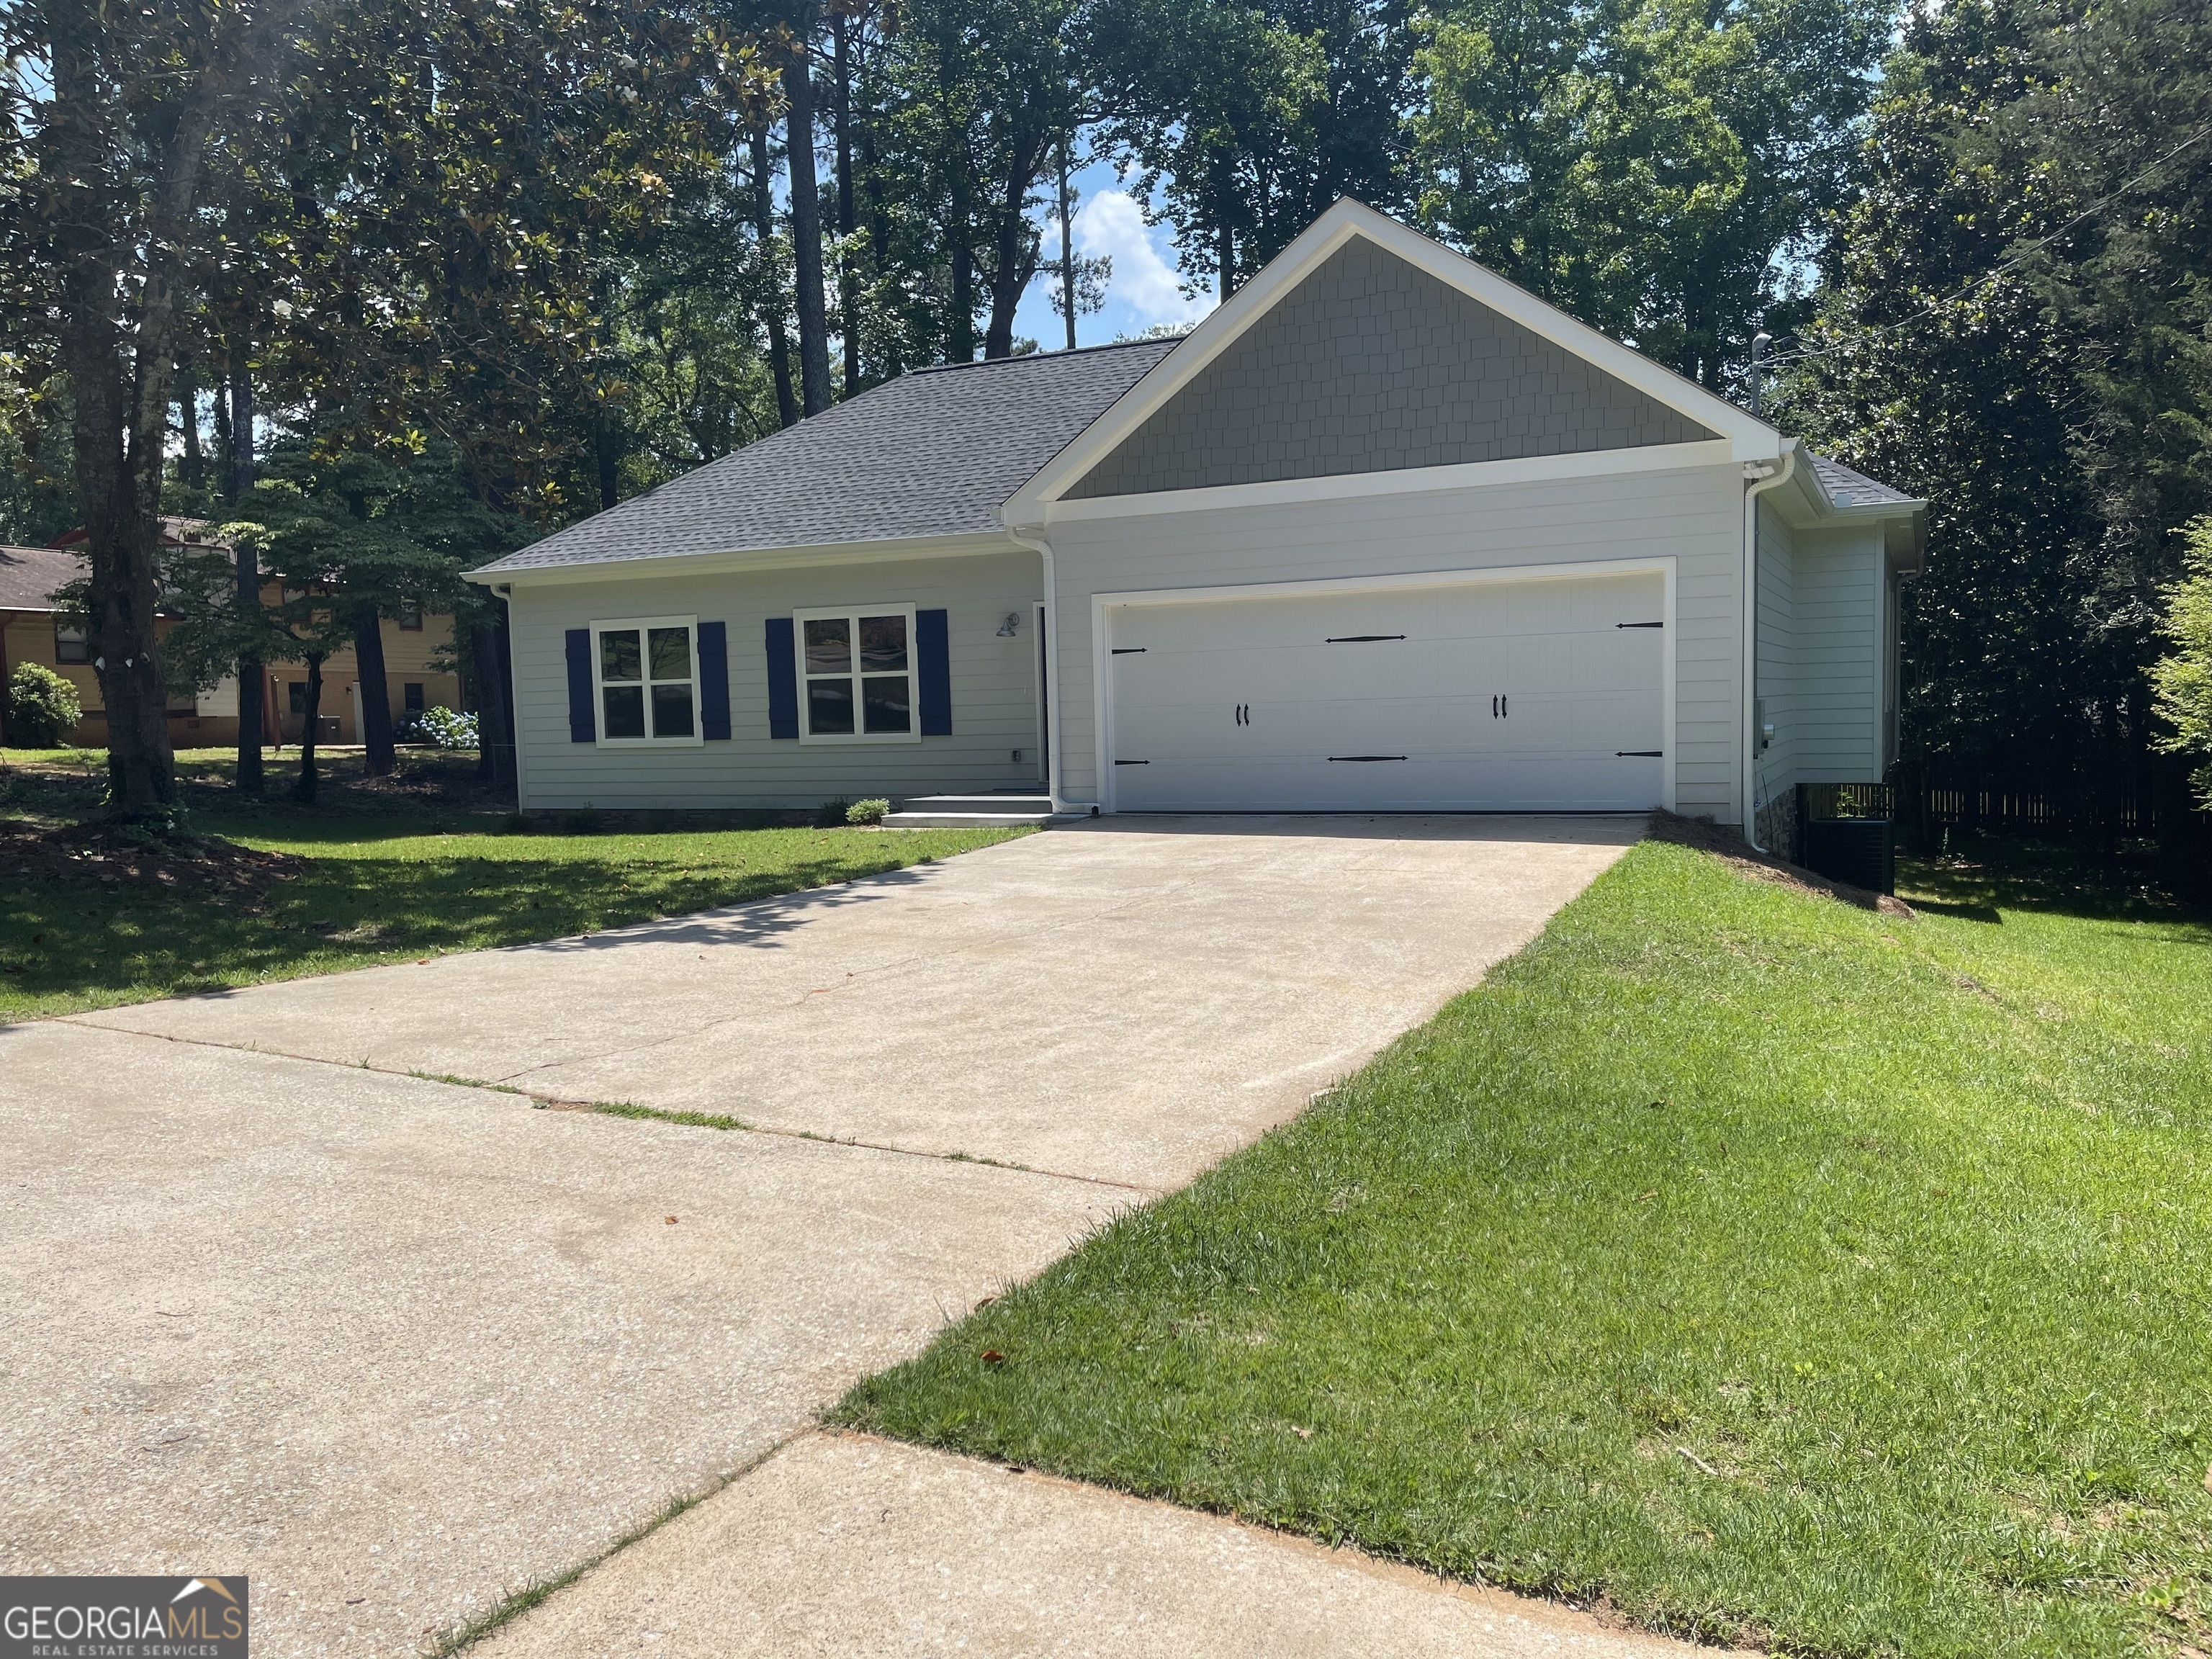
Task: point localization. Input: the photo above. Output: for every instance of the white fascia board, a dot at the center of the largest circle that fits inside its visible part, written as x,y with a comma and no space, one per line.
1405,480
744,559
1749,438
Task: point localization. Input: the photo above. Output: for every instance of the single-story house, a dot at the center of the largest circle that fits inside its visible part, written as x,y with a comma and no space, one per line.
1385,533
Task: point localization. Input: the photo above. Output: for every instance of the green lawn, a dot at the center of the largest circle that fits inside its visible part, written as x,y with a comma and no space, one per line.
385,888
1772,1270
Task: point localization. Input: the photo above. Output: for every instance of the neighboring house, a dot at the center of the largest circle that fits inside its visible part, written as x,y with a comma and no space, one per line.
1385,532
33,630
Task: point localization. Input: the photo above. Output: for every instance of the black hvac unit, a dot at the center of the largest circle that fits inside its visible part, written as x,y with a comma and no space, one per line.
1860,851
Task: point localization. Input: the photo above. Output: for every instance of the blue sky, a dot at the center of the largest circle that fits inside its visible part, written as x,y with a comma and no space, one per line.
1143,292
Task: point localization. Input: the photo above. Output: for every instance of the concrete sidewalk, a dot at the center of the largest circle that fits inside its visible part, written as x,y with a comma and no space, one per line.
843,1544
397,1348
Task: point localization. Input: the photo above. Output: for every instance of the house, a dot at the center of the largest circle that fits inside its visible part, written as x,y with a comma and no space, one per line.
1385,533
35,629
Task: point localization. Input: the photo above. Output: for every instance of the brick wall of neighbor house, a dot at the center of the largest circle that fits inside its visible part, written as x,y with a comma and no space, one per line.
1371,365
995,692
1694,515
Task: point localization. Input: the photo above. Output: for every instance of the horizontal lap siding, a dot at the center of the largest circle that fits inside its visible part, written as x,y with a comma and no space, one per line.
993,688
1693,515
1836,716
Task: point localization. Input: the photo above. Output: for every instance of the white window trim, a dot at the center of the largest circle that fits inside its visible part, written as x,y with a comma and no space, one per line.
638,625
855,612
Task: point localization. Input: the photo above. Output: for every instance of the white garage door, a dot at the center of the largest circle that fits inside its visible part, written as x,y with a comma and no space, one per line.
1538,695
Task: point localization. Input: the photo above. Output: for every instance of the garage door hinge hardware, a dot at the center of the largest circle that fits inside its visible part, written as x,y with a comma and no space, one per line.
1639,754
1359,639
1243,713
1657,624
1123,763
1497,708
1129,650
1366,757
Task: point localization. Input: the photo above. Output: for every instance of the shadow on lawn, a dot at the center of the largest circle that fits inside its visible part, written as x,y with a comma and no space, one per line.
1979,879
72,940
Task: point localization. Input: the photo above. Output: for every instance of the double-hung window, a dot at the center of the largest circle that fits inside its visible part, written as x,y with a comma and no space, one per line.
646,677
856,675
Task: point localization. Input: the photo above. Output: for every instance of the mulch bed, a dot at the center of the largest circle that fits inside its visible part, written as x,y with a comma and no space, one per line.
107,853
1733,850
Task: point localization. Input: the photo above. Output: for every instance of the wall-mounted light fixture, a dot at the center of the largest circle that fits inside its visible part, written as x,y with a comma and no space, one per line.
1006,628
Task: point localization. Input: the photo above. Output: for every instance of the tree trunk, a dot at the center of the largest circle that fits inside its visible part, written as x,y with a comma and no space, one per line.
375,697
495,729
806,235
1007,278
238,483
608,456
241,428
778,346
959,249
193,467
848,279
305,787
1066,249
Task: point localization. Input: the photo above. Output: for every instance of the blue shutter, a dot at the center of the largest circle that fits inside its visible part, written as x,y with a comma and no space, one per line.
782,680
713,682
933,661
583,720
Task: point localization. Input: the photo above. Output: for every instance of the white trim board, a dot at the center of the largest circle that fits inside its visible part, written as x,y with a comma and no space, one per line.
1404,481
1748,437
1102,633
747,561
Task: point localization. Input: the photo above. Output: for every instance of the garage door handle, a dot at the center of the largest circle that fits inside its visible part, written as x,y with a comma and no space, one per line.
1639,754
1366,757
1123,763
1657,624
1129,650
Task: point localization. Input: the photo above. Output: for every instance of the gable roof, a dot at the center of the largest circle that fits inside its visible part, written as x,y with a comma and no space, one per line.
29,575
1748,437
931,453
1369,364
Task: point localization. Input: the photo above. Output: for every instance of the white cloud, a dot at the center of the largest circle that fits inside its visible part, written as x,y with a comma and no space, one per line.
1113,224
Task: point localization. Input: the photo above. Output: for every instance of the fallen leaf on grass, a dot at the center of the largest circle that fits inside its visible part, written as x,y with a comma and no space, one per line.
992,1357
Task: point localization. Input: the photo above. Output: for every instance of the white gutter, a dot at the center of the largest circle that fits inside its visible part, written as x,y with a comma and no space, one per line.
1055,750
1759,477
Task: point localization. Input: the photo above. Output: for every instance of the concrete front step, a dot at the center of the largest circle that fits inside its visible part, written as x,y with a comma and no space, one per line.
1009,801
934,820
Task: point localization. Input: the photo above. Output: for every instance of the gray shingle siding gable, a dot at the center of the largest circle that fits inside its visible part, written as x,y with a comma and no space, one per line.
931,453
1371,365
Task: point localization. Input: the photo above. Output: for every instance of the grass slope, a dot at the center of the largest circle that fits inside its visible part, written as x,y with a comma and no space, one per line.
1771,1269
386,889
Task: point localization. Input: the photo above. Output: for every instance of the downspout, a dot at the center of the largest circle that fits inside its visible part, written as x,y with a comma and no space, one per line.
1759,477
1055,750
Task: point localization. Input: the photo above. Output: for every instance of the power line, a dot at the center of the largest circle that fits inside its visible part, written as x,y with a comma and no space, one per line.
1996,271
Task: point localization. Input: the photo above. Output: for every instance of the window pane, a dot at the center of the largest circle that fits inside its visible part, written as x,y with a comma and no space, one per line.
883,644
618,657
830,645
829,707
672,652
671,711
625,705
883,704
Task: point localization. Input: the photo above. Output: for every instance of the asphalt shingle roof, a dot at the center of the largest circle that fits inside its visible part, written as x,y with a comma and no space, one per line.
931,453
28,575
1846,487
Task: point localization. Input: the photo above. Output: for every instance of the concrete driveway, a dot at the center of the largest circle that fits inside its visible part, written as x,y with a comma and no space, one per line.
395,1347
